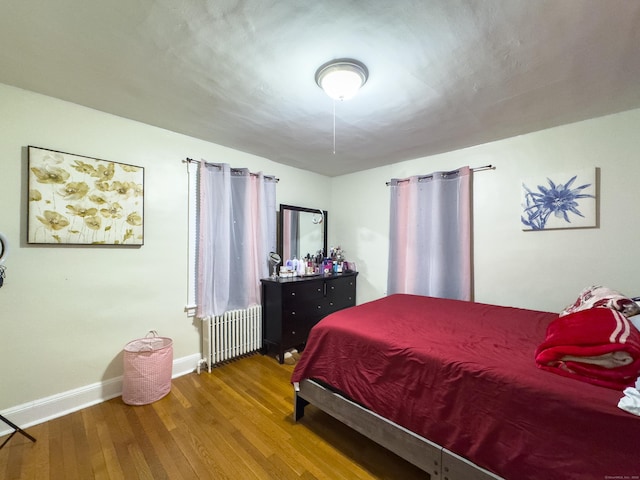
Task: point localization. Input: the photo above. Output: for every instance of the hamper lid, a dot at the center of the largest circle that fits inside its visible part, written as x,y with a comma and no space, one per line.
148,344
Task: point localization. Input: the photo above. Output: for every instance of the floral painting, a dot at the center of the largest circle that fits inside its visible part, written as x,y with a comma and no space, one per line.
563,200
81,200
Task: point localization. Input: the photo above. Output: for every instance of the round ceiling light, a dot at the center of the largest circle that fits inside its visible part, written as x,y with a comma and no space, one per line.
341,79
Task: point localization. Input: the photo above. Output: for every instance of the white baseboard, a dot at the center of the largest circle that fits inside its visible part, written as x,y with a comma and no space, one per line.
44,409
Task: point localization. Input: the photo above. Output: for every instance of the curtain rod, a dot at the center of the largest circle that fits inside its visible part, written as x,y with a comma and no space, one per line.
424,177
191,160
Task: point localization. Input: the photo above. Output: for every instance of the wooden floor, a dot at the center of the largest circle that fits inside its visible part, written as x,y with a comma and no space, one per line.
234,423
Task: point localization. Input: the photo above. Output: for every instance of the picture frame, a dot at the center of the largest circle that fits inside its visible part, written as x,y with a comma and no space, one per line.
79,200
560,200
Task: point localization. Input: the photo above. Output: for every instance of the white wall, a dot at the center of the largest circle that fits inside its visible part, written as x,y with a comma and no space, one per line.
542,270
67,311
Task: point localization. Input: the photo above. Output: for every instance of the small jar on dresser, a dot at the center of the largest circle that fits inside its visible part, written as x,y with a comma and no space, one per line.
292,306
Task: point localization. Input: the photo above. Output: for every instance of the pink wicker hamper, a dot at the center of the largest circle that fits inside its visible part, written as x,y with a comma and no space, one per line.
148,364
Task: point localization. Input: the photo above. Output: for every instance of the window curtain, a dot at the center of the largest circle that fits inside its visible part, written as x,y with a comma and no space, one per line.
430,235
236,232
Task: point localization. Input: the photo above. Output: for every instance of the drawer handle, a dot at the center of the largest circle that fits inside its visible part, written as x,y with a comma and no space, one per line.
293,294
293,313
319,307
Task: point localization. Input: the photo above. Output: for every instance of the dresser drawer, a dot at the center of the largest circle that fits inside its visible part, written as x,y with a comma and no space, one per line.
297,312
295,328
294,334
341,293
301,295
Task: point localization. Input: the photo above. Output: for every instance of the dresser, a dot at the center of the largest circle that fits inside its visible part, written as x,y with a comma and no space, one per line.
291,306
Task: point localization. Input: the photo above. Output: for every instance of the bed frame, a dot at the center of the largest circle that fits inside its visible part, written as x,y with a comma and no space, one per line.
438,462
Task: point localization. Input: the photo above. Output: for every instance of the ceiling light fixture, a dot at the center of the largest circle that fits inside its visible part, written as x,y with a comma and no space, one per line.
341,79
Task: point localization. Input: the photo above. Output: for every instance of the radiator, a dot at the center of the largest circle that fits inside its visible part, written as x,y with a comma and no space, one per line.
231,335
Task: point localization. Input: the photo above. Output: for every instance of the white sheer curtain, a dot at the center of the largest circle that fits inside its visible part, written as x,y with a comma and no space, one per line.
236,232
430,235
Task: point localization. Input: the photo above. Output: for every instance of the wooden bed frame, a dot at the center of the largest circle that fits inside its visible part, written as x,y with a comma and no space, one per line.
438,462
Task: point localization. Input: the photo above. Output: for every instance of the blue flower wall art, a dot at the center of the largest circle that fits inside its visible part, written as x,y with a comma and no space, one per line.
566,200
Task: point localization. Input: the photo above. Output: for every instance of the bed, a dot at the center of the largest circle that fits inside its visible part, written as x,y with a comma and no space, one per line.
454,388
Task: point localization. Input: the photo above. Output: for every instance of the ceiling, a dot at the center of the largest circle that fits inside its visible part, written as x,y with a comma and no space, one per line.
443,74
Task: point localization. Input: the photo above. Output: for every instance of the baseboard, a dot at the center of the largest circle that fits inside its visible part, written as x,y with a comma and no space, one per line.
42,410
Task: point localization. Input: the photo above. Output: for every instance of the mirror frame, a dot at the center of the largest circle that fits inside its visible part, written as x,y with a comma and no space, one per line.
295,208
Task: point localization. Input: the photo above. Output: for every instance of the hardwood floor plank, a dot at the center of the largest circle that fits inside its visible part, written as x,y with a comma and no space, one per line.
40,455
114,468
173,461
77,435
234,423
120,437
96,457
56,452
143,449
164,413
202,457
13,457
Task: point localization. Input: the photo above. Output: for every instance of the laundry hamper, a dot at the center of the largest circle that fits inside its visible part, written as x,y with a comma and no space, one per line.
148,363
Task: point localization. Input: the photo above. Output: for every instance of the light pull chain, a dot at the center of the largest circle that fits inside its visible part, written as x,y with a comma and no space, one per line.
334,127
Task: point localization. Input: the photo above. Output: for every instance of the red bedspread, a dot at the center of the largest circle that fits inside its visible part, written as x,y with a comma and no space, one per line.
463,375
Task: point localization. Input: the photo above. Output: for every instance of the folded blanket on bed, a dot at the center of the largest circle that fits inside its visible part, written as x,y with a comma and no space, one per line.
597,345
606,360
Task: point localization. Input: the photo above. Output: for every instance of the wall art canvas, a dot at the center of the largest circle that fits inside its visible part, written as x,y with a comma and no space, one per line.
561,200
81,200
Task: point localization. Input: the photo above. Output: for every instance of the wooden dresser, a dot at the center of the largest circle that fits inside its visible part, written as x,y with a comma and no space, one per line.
291,306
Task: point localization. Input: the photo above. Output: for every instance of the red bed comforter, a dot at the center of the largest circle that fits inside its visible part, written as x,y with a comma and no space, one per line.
463,375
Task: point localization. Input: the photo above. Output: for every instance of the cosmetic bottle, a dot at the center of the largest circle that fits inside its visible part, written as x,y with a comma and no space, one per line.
328,265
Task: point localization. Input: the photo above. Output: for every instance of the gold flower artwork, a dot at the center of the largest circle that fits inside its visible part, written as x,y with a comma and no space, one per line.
81,200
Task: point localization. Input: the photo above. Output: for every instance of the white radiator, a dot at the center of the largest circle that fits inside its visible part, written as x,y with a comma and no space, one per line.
231,335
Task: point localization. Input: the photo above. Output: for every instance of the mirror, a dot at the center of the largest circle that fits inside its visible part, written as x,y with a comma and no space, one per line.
275,260
302,231
4,248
